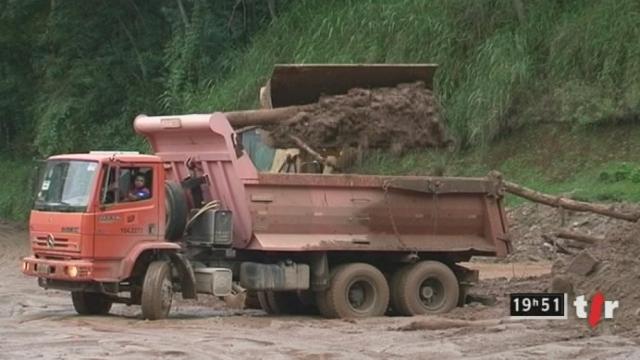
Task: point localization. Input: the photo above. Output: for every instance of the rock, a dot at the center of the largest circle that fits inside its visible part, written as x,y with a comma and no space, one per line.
488,300
558,265
583,263
562,284
497,328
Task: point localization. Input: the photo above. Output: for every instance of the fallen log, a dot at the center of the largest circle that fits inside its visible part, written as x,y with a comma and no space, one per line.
563,202
583,238
576,245
555,246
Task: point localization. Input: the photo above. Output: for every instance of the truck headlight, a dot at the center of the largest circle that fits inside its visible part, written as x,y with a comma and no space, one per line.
72,271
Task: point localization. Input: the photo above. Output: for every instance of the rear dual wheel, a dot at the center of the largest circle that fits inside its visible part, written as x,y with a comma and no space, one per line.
427,287
355,290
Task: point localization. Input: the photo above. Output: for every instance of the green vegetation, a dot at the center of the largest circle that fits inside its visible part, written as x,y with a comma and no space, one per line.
16,184
74,74
600,163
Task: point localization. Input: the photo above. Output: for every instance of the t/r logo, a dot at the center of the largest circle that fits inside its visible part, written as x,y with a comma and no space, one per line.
598,304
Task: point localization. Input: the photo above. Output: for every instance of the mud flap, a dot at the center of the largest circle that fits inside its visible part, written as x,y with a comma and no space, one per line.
187,276
466,278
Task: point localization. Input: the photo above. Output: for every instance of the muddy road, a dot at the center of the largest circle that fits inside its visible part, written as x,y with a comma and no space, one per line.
35,323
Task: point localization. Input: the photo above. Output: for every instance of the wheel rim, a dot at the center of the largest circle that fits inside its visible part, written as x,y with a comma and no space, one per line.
431,293
166,294
361,295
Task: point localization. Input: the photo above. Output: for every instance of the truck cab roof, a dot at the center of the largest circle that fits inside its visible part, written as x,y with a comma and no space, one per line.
102,156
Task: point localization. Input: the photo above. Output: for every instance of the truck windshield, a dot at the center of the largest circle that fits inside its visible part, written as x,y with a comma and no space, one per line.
66,186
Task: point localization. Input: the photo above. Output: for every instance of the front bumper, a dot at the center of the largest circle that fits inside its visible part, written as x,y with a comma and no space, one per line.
68,270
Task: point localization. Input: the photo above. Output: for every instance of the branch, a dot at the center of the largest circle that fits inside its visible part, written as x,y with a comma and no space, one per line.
583,238
132,40
271,4
566,203
301,144
554,244
183,14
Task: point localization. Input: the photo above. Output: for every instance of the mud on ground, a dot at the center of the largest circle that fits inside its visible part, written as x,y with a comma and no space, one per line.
35,323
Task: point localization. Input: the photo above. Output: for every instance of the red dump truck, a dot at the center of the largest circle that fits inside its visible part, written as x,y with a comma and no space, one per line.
346,245
197,218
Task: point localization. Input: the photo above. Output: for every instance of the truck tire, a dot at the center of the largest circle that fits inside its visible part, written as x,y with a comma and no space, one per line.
427,287
90,303
397,279
355,290
252,301
176,210
265,299
284,302
157,291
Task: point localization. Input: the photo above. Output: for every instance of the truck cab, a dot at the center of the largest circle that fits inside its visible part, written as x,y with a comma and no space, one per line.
94,216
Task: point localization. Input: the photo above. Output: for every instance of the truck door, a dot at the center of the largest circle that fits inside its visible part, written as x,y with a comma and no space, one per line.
127,213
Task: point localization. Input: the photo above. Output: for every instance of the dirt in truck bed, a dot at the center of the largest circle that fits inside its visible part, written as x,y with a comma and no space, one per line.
397,119
35,323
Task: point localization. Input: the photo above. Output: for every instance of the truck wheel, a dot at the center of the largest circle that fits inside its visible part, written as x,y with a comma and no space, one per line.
176,210
90,303
356,290
284,302
252,301
427,287
264,299
395,285
157,291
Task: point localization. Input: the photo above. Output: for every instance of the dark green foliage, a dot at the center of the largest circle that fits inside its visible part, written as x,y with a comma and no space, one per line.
620,172
76,73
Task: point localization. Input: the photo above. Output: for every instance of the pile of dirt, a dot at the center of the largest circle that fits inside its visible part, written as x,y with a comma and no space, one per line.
396,119
532,228
611,267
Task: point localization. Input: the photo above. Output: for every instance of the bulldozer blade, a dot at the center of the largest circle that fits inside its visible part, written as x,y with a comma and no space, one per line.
294,84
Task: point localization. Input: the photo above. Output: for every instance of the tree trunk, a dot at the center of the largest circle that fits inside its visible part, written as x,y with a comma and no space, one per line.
272,9
566,203
183,14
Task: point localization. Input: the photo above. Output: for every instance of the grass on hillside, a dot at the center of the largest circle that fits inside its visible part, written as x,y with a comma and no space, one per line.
601,163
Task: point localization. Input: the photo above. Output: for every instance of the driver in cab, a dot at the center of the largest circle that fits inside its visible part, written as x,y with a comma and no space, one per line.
140,190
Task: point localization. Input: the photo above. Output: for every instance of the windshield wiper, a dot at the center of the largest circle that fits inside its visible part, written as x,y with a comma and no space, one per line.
56,206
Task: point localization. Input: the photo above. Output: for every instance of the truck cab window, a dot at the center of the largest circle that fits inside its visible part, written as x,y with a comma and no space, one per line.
125,184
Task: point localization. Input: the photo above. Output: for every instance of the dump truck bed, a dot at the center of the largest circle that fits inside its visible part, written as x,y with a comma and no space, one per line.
309,212
312,212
